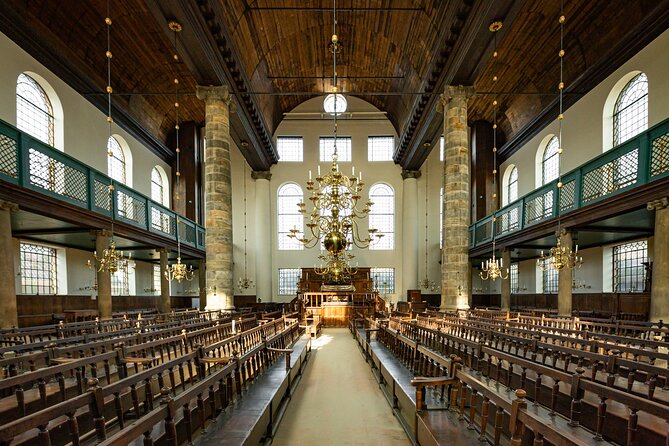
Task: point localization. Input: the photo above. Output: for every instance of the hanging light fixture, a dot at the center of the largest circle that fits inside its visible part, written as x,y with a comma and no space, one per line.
177,271
493,268
560,256
110,259
245,283
334,218
426,283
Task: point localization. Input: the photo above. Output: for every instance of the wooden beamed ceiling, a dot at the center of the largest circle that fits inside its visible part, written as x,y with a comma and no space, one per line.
273,54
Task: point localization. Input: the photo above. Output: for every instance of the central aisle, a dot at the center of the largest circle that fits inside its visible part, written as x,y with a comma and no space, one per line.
338,401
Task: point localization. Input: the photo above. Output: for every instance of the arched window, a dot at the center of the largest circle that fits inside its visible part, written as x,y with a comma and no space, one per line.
630,114
288,216
382,215
510,185
34,113
116,167
157,186
550,161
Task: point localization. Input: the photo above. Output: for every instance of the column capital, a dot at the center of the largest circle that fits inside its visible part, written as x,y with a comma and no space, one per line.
261,175
162,250
101,232
215,93
407,174
656,205
454,92
8,206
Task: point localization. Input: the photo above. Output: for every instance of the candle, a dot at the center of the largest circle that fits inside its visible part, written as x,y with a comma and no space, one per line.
233,325
353,171
309,175
319,170
360,176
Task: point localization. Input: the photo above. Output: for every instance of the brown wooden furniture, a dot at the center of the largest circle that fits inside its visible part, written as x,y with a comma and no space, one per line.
80,315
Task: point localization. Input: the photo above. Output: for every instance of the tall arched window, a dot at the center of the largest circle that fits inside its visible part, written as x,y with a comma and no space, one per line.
630,114
116,160
550,161
34,112
382,214
157,187
288,216
510,185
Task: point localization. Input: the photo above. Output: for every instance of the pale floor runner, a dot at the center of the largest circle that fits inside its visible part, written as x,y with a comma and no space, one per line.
338,401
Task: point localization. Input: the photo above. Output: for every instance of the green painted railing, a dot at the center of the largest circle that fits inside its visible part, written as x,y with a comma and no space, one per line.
636,162
30,163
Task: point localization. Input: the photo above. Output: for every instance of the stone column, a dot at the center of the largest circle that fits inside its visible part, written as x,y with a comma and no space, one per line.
263,236
455,267
164,305
102,239
505,303
659,296
218,197
410,229
565,276
8,312
202,278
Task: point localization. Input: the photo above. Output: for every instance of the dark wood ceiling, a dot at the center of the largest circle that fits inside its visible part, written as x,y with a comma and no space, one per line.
273,54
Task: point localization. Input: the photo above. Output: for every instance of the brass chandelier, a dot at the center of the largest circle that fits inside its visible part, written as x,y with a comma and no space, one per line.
492,269
560,256
110,259
334,217
177,271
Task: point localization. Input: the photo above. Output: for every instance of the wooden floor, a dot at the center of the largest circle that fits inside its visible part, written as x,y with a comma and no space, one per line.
339,401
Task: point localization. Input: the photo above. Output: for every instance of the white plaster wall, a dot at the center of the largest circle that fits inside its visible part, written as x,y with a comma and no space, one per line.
85,129
583,122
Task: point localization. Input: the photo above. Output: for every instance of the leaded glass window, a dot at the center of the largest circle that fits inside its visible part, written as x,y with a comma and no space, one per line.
513,277
343,148
550,162
384,279
550,278
38,269
115,160
34,113
382,215
512,186
119,282
288,280
290,148
289,217
629,272
380,148
630,114
156,279
157,187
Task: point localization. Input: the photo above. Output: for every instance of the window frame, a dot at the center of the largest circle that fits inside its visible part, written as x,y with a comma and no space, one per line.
51,255
112,144
387,242
47,109
378,273
553,144
299,152
344,154
632,130
373,154
637,277
120,285
284,243
282,284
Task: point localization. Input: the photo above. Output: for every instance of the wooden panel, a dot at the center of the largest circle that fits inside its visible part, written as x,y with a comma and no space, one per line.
361,280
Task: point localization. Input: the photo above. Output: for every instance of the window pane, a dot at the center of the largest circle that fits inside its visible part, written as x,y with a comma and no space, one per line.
380,148
119,283
290,148
156,280
382,215
289,217
288,279
34,114
343,148
115,160
630,115
513,276
550,164
550,278
156,186
512,192
629,272
384,279
38,269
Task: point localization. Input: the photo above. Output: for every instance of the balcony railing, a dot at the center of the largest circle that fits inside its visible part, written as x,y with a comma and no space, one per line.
636,162
30,163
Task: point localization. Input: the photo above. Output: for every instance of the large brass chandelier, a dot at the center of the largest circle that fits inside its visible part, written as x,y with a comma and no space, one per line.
337,209
560,256
110,259
177,271
492,269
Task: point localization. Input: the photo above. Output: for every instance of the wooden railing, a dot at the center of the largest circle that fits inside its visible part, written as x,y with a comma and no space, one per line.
317,299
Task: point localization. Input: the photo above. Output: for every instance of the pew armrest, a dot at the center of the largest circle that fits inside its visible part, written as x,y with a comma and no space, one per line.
422,381
213,360
280,350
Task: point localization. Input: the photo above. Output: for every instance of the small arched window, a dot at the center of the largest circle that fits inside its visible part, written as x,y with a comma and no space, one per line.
288,216
116,167
630,114
157,186
550,161
34,112
382,215
512,186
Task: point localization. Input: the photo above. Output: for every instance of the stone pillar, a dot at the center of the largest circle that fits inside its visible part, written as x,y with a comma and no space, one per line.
565,276
455,267
263,236
102,239
164,305
659,296
8,312
202,278
505,303
218,197
410,230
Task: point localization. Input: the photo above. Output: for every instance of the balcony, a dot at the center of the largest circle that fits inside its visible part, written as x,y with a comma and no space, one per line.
37,167
641,163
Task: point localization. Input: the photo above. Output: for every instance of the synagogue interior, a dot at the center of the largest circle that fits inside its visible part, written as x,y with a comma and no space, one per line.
334,222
